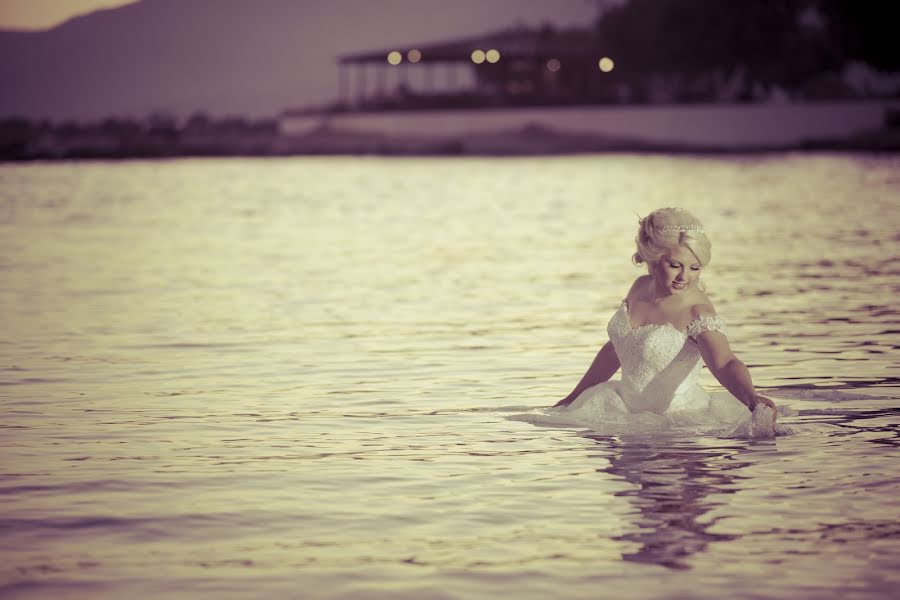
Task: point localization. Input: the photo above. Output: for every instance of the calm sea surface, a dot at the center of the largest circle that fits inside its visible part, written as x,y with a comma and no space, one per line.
291,379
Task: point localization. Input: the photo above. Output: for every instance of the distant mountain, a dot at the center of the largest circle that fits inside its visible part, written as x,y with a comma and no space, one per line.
246,57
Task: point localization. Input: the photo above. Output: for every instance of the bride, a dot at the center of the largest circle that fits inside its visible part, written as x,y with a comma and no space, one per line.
665,327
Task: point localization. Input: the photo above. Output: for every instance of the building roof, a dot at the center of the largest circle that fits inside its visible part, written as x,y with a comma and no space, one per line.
517,43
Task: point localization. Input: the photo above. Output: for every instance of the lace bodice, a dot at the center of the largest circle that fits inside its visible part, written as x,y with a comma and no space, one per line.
660,364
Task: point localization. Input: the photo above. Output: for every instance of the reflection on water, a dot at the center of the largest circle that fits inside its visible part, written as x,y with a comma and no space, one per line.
675,484
244,378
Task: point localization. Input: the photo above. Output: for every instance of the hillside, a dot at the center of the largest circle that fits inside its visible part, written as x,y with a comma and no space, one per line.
245,57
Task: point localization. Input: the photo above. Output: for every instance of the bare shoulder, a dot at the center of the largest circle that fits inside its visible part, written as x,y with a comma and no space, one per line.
637,287
702,307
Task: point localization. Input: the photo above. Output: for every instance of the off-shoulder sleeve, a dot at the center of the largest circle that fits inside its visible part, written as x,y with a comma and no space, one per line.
706,323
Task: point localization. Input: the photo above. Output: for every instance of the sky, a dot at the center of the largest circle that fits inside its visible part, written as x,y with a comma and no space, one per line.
43,14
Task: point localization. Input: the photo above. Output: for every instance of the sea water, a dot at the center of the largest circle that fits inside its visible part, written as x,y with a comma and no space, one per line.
290,378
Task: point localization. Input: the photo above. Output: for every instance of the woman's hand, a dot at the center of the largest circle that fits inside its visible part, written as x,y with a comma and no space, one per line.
757,400
564,402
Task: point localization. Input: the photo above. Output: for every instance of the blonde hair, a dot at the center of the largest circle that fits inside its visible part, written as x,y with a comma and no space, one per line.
668,228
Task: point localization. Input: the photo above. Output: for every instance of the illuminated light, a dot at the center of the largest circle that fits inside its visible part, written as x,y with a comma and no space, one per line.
414,56
395,58
478,56
606,64
492,55
553,65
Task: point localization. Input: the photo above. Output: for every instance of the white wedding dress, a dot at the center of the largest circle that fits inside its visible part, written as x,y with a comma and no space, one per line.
659,388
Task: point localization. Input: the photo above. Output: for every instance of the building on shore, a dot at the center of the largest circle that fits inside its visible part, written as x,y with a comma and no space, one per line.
545,66
541,81
514,67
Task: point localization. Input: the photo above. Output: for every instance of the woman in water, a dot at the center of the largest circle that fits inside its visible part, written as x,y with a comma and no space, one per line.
658,336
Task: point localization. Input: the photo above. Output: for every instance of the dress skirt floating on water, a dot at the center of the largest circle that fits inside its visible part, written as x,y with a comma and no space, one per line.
659,387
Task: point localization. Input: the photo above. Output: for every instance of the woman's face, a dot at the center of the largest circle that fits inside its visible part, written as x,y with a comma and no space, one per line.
677,271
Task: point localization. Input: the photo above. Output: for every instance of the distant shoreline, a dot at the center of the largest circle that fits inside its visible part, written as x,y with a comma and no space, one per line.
708,128
517,143
536,131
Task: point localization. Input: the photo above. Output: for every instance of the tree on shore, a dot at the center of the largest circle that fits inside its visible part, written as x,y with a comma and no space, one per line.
865,30
759,44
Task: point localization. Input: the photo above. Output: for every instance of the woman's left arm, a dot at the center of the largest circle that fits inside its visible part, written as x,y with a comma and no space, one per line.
728,369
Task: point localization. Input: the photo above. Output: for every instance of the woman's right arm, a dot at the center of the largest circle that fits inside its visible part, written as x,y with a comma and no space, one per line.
605,365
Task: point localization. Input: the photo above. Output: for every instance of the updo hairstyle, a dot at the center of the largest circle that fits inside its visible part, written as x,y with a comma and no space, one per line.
658,233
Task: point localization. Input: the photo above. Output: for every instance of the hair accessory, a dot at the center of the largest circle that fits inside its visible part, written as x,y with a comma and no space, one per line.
682,228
